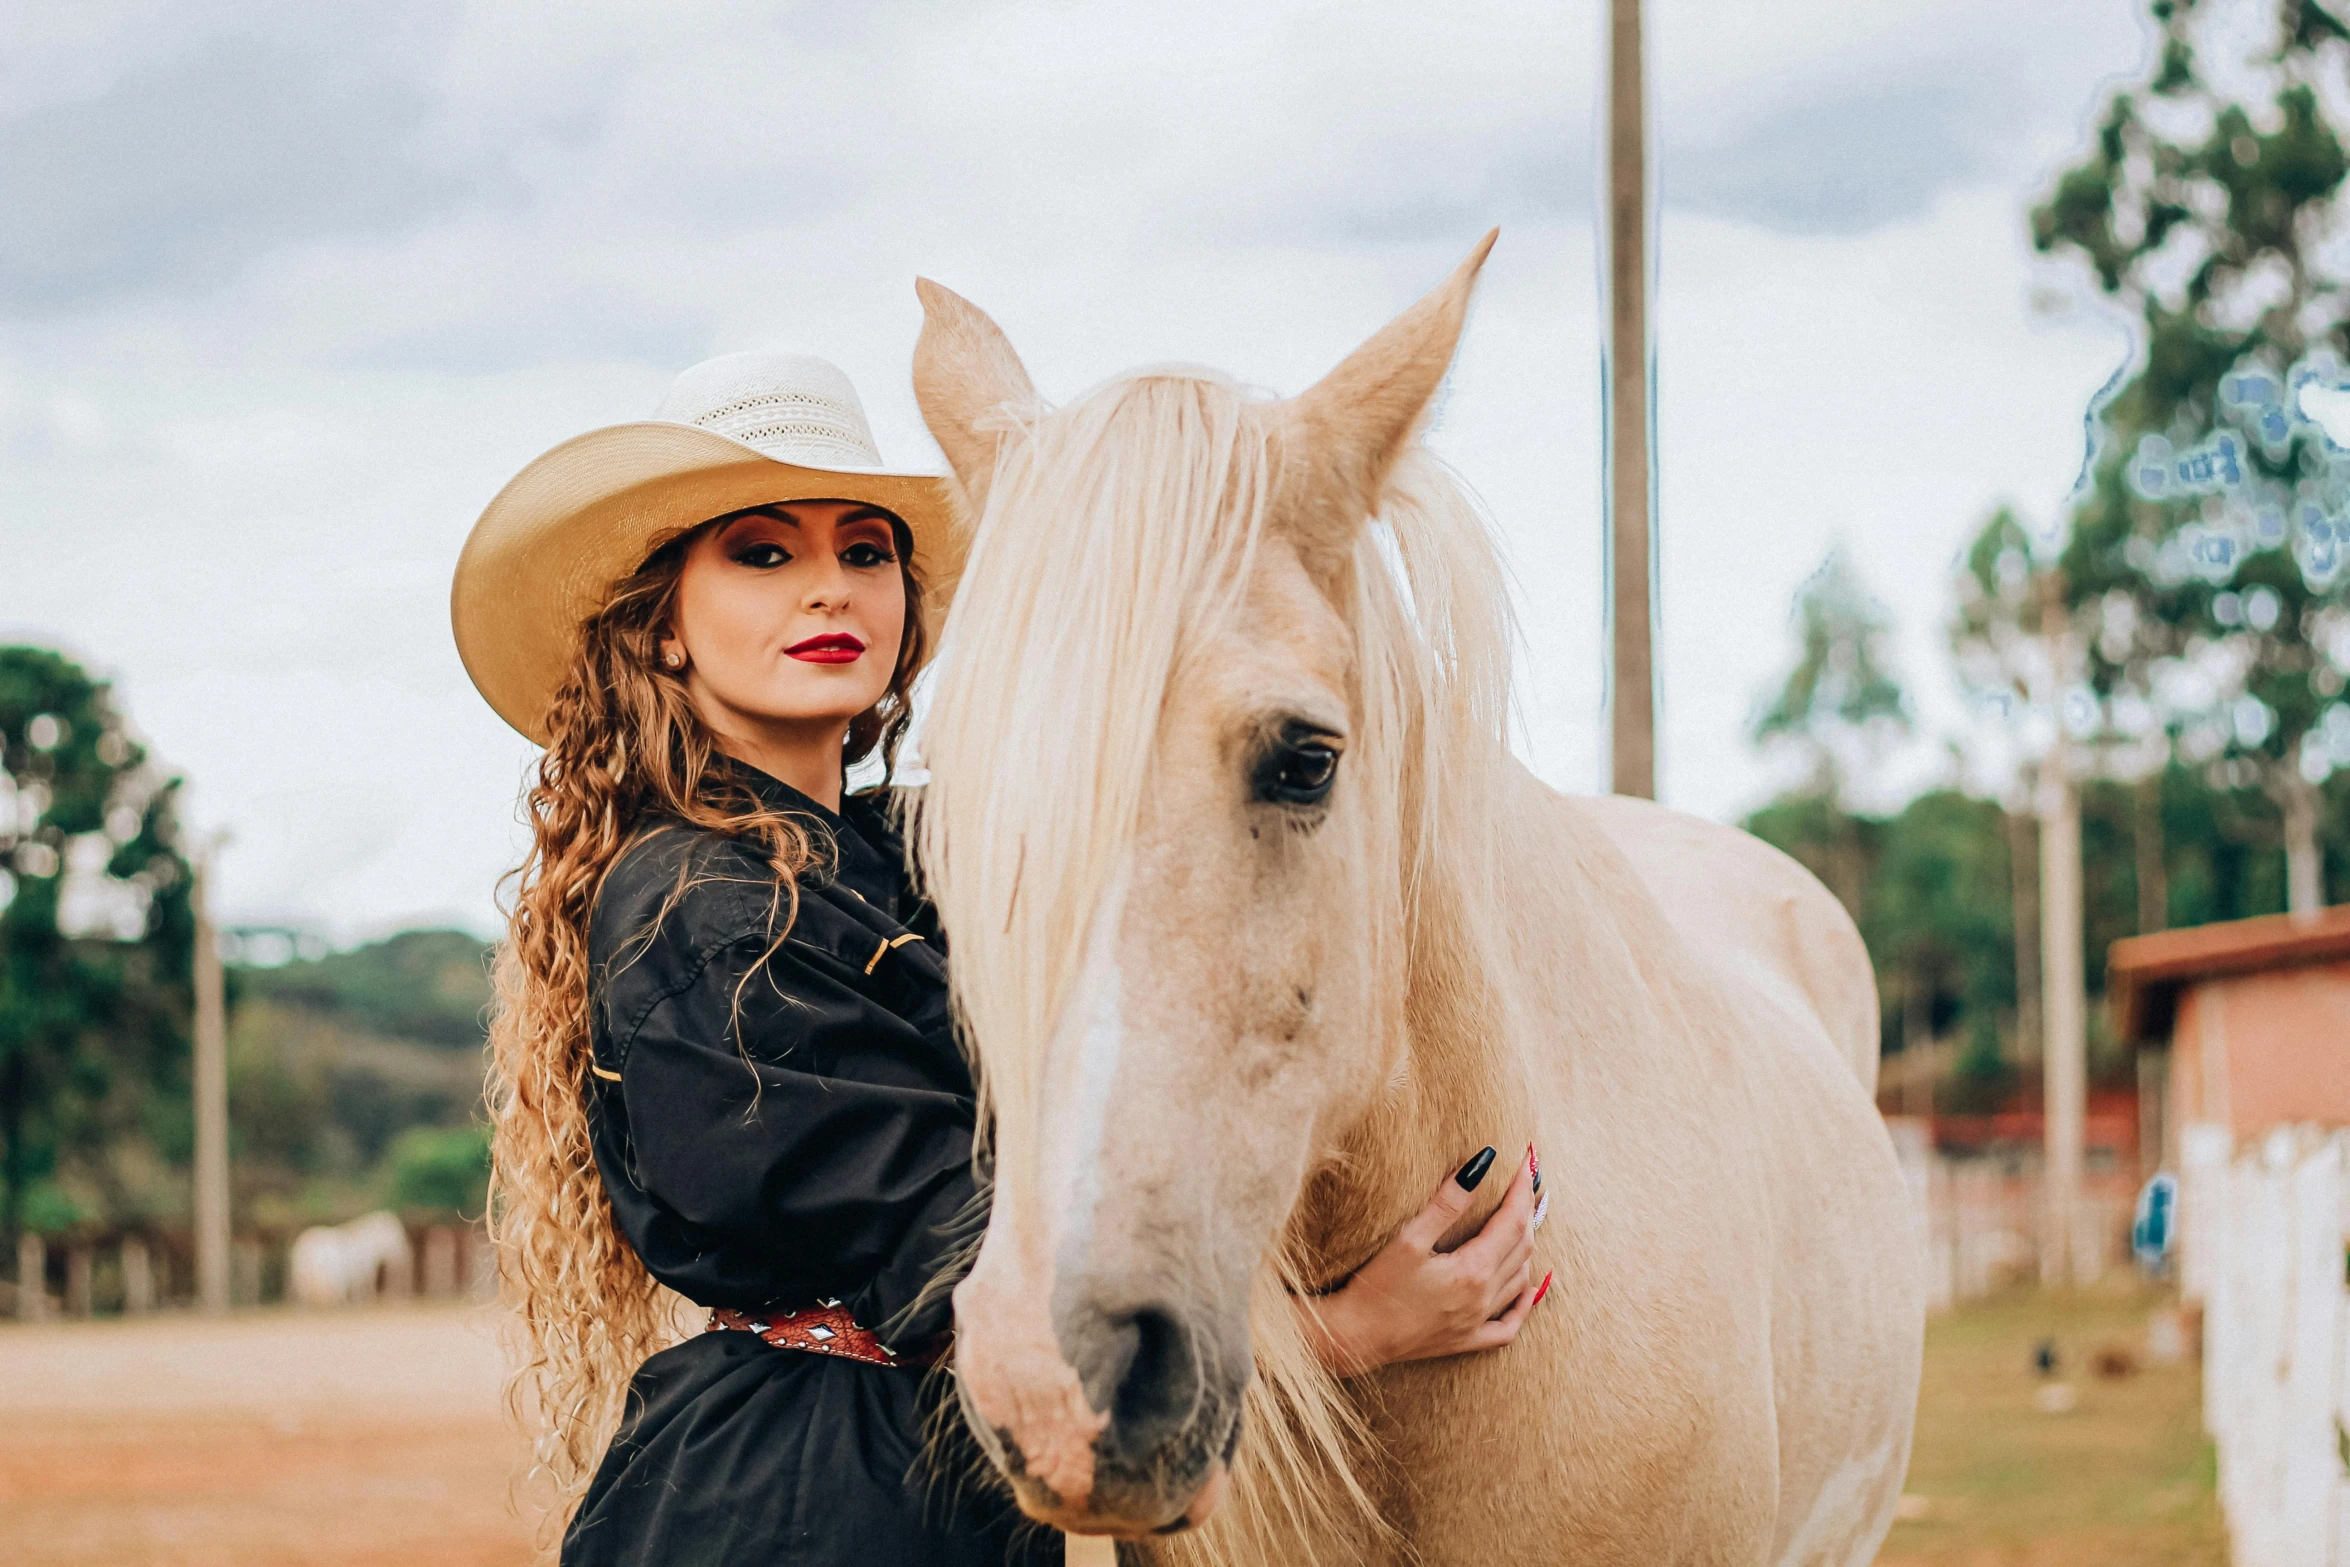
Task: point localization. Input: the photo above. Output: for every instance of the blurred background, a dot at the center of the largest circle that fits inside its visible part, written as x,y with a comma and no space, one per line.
2000,406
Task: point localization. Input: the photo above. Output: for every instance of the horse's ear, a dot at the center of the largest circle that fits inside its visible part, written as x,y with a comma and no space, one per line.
1341,437
965,378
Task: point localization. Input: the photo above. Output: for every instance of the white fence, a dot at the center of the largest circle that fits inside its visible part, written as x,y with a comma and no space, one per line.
1978,1221
374,1258
2263,1237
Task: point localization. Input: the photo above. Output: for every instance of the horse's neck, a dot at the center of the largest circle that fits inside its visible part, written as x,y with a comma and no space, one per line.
1472,1076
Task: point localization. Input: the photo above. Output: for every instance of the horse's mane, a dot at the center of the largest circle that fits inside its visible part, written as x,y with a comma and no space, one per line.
1116,536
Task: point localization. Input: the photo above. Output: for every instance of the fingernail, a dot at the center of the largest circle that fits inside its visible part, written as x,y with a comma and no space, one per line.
1543,1288
1534,1164
1474,1171
1541,1210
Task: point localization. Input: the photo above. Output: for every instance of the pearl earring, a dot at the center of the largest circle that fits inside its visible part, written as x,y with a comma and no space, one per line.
674,659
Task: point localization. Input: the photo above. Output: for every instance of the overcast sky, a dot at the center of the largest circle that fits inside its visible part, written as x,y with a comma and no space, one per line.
288,290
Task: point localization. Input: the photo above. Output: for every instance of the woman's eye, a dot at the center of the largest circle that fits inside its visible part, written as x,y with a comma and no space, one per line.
866,556
1296,772
761,556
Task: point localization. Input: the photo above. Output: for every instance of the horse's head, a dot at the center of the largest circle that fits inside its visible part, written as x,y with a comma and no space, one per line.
1162,840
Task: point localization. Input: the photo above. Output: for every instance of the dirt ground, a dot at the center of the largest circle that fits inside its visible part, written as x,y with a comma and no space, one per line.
374,1438
2124,1479
269,1439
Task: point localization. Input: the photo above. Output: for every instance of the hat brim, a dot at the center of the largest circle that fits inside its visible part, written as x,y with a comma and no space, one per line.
553,543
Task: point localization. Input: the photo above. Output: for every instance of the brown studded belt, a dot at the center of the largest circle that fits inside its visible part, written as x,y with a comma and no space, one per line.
826,1328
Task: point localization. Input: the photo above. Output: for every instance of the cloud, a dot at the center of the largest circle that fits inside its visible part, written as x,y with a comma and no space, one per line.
1858,156
186,169
1819,117
288,290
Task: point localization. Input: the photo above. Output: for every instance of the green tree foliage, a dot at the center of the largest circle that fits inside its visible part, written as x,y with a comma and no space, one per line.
1995,635
1937,907
2206,563
316,1106
1839,707
1932,886
427,985
1934,904
96,933
444,1171
337,1065
1941,912
1838,711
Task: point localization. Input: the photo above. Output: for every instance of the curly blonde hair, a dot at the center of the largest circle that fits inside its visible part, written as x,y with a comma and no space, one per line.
625,751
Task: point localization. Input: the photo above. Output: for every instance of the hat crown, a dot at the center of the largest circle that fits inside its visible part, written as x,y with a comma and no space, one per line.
791,406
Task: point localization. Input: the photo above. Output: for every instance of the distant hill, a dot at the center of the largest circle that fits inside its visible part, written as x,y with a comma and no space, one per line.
432,986
352,1077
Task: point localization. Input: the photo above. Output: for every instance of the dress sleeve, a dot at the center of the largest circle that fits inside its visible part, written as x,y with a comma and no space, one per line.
774,1172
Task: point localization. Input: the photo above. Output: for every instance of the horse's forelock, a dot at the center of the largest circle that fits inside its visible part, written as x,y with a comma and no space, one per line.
1113,528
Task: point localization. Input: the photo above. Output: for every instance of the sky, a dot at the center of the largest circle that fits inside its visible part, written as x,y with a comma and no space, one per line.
287,291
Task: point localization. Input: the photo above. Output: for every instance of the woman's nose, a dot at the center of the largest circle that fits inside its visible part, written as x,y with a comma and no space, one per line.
829,590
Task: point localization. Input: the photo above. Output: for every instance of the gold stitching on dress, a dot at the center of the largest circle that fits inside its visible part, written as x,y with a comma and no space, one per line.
882,951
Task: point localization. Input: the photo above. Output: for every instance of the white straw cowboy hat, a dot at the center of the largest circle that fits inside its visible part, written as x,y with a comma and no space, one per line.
735,432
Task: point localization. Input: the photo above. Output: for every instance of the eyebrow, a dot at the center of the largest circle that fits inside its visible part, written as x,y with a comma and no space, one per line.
866,514
775,512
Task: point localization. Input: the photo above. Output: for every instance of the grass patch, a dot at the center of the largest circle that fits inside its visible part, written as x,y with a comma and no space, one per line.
2124,1478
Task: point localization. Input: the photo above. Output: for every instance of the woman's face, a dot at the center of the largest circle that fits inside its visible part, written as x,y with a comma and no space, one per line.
789,615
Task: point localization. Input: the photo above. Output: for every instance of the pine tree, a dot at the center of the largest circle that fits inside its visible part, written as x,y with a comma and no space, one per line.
1838,711
1840,707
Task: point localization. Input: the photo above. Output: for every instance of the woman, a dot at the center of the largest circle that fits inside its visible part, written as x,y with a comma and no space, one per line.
723,1059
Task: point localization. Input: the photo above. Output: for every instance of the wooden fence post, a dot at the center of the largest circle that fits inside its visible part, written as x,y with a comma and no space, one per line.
440,1262
138,1277
245,1272
214,1287
32,1277
80,1293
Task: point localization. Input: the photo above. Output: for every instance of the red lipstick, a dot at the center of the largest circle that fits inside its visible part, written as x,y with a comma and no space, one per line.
833,648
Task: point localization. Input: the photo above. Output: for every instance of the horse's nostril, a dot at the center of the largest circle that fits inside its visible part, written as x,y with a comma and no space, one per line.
1153,1376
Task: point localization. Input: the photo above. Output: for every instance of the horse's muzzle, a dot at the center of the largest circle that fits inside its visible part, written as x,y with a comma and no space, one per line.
1174,1409
1167,1399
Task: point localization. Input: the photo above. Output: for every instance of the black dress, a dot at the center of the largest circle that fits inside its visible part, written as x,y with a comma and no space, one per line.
785,1127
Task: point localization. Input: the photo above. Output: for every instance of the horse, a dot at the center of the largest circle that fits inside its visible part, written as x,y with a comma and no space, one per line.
345,1264
1259,925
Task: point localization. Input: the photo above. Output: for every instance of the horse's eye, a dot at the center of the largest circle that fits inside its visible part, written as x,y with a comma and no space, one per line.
1296,770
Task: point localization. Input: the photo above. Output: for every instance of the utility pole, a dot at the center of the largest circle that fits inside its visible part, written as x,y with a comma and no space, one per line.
2064,1048
1631,519
212,1196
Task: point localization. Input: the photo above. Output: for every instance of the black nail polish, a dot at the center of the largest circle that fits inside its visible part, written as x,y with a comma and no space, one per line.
1474,1171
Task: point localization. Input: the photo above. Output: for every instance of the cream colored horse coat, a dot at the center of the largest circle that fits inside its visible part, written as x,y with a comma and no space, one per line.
1680,1017
1828,1364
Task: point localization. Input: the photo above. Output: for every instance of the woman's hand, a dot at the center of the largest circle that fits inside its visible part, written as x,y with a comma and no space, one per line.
1413,1302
